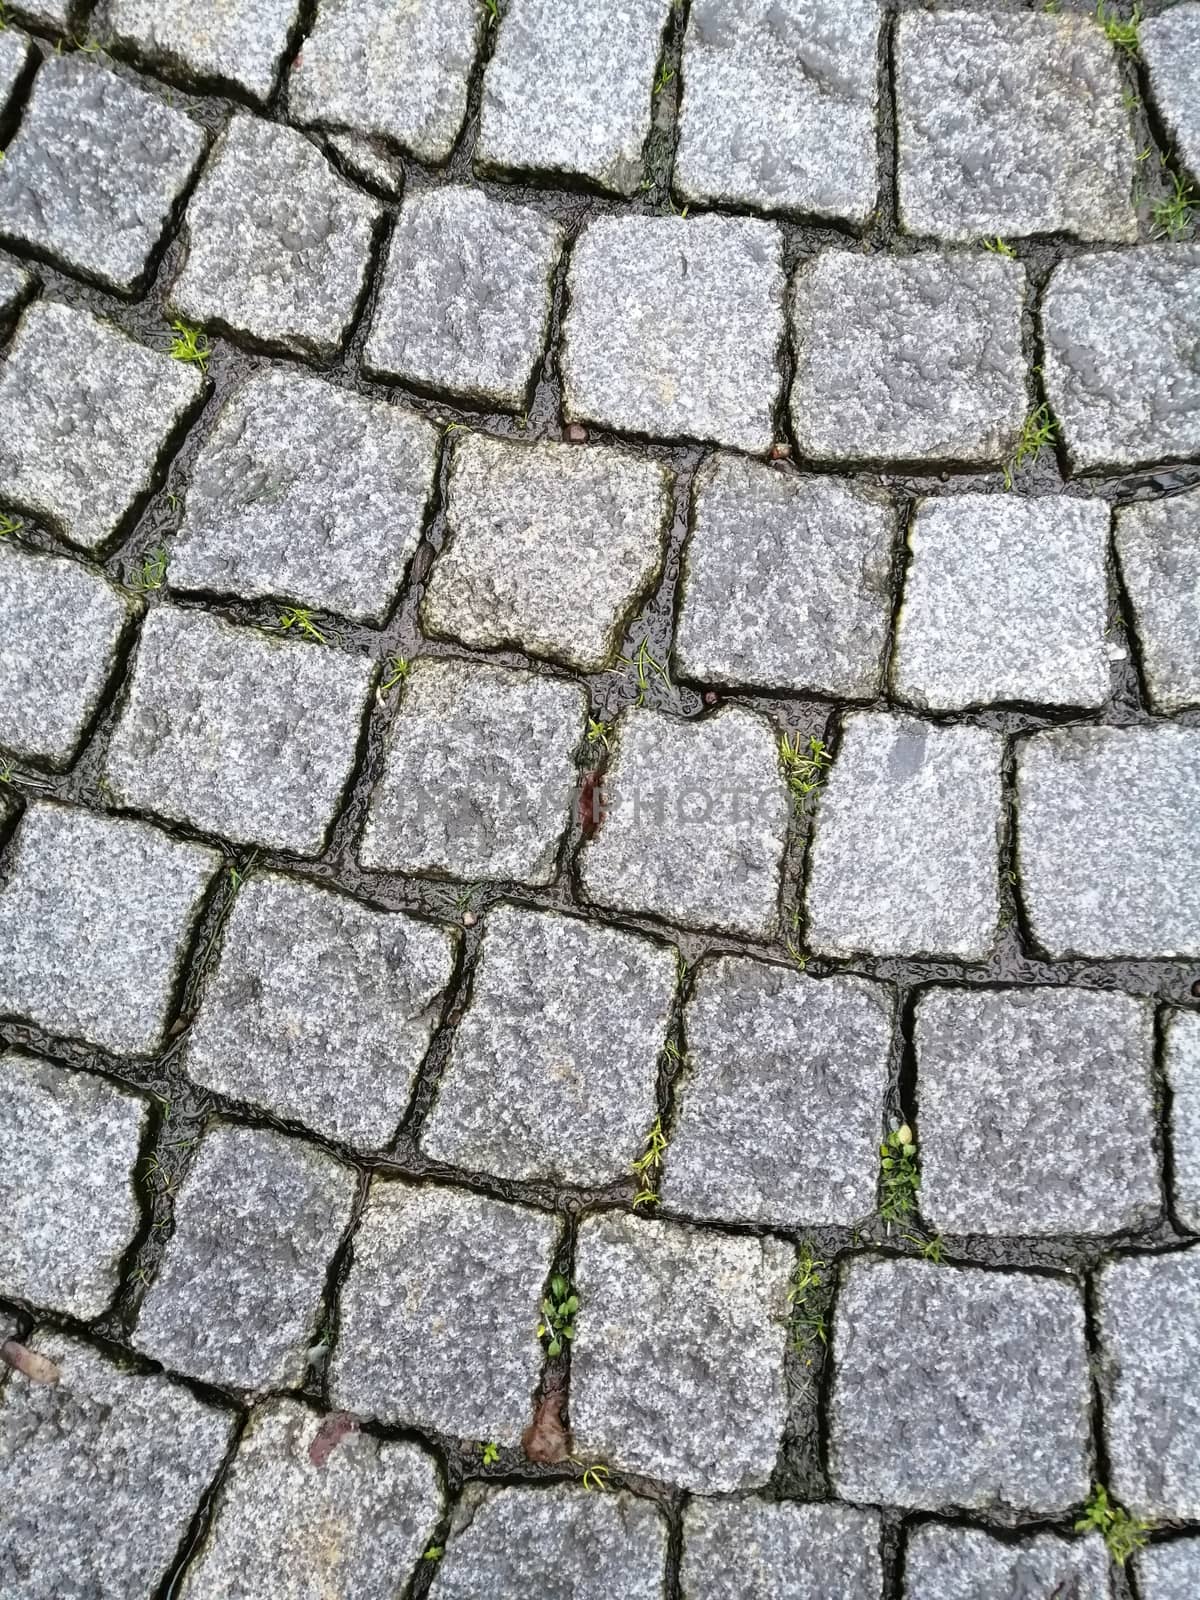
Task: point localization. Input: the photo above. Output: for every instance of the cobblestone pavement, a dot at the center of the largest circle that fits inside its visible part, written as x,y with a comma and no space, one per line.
600,737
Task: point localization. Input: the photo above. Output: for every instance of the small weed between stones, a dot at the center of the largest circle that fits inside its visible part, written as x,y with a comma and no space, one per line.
804,764
999,247
599,733
648,1166
398,668
1173,216
1119,32
643,664
595,1476
557,1326
1123,1534
1039,432
434,1552
808,1330
189,345
296,617
151,574
901,1180
10,525
490,1453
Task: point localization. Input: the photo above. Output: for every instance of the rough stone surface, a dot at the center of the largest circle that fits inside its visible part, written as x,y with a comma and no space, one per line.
59,14
1169,46
903,859
238,43
786,582
464,307
1169,1571
908,358
542,1082
68,1144
780,1105
1182,1062
236,732
95,918
1120,331
238,1295
957,1387
1105,879
439,1312
551,547
321,1009
674,327
710,1417
779,1552
308,493
1158,545
1005,599
967,1564
278,245
16,54
693,823
370,161
85,414
478,774
16,285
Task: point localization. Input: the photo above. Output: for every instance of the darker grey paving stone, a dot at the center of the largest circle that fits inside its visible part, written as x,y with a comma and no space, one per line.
1158,545
238,733
1169,46
1182,1062
943,1563
957,1387
732,1550
1169,1571
16,56
16,285
240,43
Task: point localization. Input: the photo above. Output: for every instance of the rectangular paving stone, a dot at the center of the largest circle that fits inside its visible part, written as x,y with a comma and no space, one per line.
1169,1571
1182,1064
1169,46
674,327
236,732
959,1388
732,1550
238,45
1104,876
1158,546
947,1563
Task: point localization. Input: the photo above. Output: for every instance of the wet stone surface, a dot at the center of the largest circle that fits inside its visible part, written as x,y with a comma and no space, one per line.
1182,1062
1169,1571
966,1564
805,1552
239,44
1158,546
1169,46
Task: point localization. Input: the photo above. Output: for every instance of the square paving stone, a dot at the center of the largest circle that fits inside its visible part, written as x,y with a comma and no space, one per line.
68,1146
239,44
17,56
959,1388
241,1287
1104,873
439,1313
309,493
944,1563
694,822
780,1105
85,416
1005,600
1037,1111
1169,1571
278,246
1158,545
786,581
904,854
551,548
1182,1062
783,1551
95,920
1120,332
674,327
1169,46
95,172
101,1474
236,732
541,1082
478,774
464,306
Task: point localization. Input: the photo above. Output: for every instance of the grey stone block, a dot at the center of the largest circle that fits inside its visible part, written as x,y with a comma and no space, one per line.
957,1387
1005,600
1182,1062
309,493
85,414
236,732
1169,1571
278,244
59,14
16,285
674,327
1108,879
240,44
464,305
1169,46
440,1310
694,822
551,548
478,774
904,854
912,359
242,1283
943,1563
779,1109
1120,332
95,919
16,56
1158,545
786,581
732,1550
371,161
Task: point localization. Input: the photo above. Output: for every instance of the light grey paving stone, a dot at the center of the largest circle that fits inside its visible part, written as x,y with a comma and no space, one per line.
370,161
278,245
16,285
236,732
1169,46
95,919
958,1387
1169,1571
464,306
674,327
1005,599
16,56
1182,1062
440,1310
58,647
782,1551
694,822
943,1563
908,358
68,1145
309,493
1120,332
1104,879
1149,1317
478,774
786,581
306,1511
1158,545
59,14
239,44
85,415
904,853
238,1296
101,1474
780,1105
551,548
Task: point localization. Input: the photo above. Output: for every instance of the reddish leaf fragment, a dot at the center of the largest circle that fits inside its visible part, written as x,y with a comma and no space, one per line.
33,1366
329,1435
546,1439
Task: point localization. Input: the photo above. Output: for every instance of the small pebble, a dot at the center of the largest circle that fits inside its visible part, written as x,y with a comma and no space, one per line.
469,919
710,697
575,433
